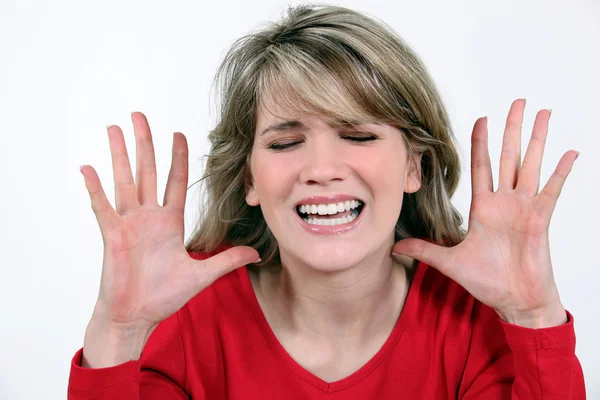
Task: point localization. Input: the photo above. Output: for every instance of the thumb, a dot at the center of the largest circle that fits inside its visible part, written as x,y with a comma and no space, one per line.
431,254
211,269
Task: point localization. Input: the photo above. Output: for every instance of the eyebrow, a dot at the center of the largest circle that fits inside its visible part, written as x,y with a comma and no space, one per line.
284,126
295,124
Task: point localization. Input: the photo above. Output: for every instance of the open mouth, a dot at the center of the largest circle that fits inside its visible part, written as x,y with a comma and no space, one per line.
331,214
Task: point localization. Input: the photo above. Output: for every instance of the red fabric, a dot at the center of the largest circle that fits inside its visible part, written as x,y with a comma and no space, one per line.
445,345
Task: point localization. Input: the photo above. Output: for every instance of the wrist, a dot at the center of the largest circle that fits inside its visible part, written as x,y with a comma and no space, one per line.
106,345
546,317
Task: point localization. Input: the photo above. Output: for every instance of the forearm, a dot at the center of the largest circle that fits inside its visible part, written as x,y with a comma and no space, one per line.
122,364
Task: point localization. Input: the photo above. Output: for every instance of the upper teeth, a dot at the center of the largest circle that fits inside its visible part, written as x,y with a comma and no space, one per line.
333,208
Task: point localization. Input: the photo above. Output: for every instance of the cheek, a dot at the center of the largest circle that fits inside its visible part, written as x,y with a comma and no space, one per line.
382,170
273,178
383,173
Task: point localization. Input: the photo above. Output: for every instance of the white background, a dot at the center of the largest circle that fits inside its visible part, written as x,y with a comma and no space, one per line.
69,68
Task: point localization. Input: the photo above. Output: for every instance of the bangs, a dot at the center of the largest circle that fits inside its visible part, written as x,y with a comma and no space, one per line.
326,79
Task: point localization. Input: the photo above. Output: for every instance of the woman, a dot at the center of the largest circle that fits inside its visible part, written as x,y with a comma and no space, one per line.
333,151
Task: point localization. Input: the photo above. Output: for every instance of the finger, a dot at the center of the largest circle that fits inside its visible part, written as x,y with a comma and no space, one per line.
145,160
213,268
481,168
105,214
125,197
439,257
549,195
176,190
529,177
510,158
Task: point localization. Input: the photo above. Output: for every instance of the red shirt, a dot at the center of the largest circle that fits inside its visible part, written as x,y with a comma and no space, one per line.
445,345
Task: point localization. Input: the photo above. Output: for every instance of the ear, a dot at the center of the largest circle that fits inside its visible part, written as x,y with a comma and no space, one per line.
251,195
412,180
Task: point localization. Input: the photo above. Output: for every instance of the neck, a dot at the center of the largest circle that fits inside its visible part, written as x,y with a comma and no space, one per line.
354,305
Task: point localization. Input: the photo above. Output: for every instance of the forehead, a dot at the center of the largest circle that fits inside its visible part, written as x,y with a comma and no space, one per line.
284,117
287,97
298,122
272,111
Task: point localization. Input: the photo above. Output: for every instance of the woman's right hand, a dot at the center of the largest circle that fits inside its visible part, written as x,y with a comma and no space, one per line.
147,274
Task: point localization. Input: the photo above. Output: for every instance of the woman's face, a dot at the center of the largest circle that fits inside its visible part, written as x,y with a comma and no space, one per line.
300,162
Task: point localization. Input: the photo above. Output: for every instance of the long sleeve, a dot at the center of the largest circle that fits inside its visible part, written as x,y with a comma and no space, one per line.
507,361
158,374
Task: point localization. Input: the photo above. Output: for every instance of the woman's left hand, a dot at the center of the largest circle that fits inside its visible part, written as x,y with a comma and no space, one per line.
504,261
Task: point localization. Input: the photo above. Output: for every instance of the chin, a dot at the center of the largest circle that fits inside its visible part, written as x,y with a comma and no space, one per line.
332,257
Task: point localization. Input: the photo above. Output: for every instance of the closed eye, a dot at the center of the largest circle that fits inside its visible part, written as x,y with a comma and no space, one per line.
360,138
352,138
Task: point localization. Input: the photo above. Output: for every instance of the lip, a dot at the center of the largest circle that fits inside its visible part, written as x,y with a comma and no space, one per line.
329,230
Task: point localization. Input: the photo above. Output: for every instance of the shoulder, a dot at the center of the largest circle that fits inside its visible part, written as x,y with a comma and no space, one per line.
446,315
228,289
205,309
444,299
195,337
441,292
439,288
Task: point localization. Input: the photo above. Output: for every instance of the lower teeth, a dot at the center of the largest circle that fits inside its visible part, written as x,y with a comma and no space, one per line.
332,221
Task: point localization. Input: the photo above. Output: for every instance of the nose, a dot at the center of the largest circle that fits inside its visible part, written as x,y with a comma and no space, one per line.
325,161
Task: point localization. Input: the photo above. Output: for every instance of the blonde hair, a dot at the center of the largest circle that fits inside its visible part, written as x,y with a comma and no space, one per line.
347,67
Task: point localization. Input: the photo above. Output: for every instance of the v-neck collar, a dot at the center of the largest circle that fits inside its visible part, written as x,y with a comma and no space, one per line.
406,315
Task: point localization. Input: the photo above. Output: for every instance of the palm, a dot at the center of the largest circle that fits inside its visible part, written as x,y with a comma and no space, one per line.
504,230
147,274
504,260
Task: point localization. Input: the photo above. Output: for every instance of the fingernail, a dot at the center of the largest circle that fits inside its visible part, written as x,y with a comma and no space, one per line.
81,167
257,261
577,155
